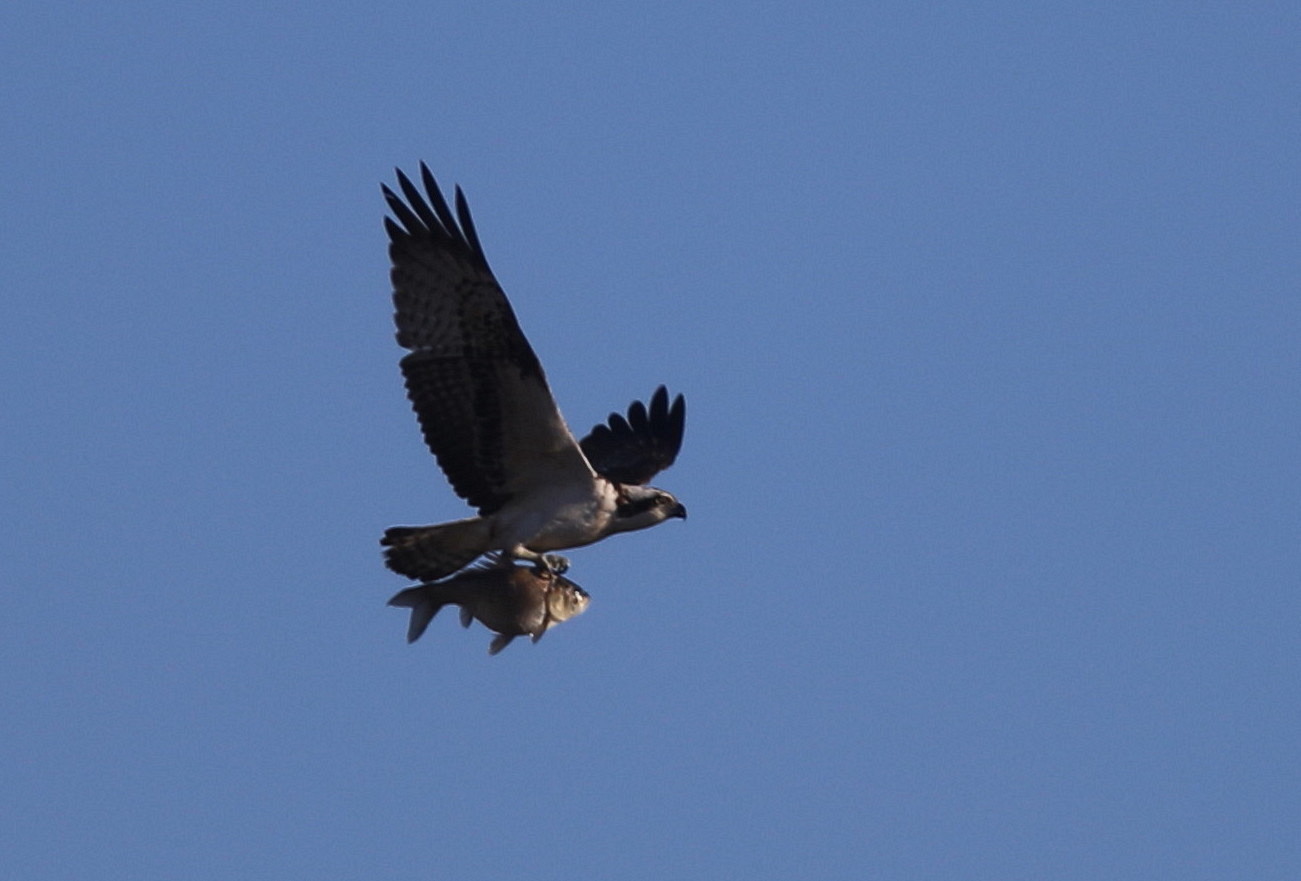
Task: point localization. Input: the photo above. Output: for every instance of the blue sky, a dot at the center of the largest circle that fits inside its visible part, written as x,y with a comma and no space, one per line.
987,317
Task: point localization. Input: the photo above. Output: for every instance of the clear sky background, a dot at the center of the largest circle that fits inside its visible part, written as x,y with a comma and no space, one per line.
988,320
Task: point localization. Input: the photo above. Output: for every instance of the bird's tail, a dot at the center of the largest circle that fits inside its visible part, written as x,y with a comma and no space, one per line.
424,601
428,553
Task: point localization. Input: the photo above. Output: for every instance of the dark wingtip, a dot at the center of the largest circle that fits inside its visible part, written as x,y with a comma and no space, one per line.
678,422
467,222
427,215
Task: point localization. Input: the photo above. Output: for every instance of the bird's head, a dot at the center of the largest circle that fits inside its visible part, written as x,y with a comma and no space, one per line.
643,506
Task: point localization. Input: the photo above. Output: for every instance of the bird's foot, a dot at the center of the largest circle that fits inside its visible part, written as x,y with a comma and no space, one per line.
555,564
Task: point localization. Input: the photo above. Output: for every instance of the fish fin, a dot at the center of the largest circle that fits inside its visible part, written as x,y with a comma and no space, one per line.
420,600
491,560
498,643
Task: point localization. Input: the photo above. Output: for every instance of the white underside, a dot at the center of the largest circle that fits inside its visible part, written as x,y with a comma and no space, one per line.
559,517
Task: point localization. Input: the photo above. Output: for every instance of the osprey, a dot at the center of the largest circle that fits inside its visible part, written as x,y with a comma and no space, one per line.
487,414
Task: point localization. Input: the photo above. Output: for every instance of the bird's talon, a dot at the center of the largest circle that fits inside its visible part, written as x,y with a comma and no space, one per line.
555,564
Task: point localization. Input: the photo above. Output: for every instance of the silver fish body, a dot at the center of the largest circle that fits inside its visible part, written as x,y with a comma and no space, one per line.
509,600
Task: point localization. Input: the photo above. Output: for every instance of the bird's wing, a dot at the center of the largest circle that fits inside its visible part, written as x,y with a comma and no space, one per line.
636,448
476,386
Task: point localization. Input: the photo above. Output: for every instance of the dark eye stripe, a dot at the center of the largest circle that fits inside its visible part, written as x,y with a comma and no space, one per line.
629,509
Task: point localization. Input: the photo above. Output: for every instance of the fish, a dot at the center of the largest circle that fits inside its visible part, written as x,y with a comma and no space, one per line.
509,600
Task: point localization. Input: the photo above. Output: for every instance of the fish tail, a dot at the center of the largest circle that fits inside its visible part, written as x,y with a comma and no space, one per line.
424,601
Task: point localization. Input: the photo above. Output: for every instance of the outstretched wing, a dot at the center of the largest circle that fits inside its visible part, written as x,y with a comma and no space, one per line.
476,386
635,449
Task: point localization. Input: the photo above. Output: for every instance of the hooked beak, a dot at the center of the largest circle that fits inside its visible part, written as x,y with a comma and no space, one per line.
680,511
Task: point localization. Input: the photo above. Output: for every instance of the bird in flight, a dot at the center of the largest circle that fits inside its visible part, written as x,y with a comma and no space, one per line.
489,418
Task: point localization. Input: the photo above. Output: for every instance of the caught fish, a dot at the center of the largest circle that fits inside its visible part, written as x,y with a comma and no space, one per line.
510,600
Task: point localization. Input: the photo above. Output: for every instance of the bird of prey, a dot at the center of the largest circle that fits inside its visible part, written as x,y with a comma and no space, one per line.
487,414
511,601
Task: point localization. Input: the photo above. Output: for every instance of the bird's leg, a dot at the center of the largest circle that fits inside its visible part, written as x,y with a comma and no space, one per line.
553,564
